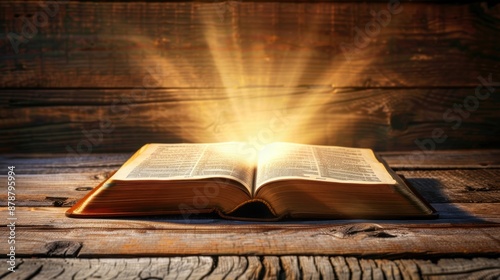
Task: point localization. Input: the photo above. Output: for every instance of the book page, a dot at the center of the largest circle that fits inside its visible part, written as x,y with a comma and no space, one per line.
280,161
188,161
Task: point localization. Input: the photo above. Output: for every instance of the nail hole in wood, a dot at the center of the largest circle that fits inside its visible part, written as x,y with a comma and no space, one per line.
82,189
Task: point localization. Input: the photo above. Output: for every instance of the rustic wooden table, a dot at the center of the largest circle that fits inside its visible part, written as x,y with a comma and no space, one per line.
464,242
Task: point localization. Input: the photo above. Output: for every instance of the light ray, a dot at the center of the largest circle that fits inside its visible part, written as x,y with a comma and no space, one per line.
257,84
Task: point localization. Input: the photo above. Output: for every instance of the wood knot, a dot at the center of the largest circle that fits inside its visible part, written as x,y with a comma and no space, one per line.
400,121
473,189
360,231
62,248
57,201
101,176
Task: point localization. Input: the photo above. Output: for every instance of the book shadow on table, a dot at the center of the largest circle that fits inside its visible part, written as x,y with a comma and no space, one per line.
431,190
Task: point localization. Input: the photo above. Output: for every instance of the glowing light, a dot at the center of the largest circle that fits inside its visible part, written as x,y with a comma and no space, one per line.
258,90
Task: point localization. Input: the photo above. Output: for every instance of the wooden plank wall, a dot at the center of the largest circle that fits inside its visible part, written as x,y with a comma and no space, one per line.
86,76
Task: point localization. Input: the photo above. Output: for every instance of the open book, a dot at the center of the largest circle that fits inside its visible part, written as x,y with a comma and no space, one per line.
284,179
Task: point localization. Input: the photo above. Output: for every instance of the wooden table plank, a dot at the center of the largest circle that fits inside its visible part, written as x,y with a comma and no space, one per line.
464,228
209,267
453,159
40,229
472,241
457,185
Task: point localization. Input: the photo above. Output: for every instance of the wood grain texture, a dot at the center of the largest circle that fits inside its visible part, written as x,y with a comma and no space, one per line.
156,236
462,186
466,198
291,267
81,122
184,71
201,268
154,70
272,267
247,250
142,268
479,159
249,43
